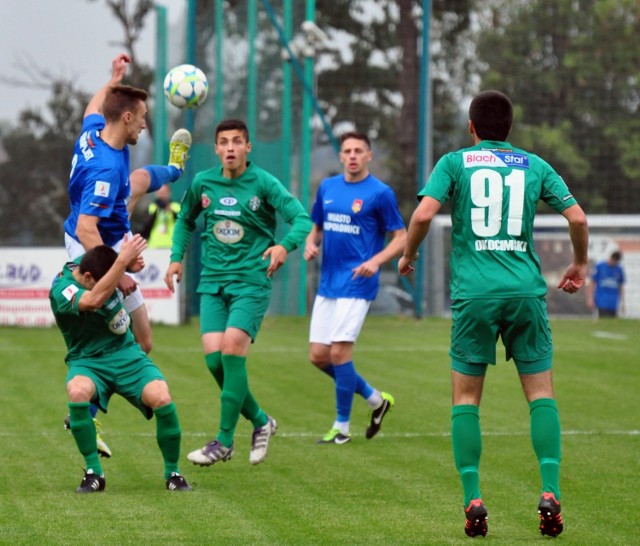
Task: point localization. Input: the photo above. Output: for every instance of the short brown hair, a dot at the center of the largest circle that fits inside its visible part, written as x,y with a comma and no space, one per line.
230,125
357,135
120,99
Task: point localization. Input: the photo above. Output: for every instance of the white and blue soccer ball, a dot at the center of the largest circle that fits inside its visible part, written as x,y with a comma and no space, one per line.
186,86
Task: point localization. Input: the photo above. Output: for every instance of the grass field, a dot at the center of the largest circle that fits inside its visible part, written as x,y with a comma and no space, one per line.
399,488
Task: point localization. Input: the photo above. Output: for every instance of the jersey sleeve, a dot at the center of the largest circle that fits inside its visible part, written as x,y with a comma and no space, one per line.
291,211
185,225
440,184
65,297
389,211
317,211
554,190
100,192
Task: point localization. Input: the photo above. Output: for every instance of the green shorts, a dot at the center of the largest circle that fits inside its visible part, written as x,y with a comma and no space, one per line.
234,305
125,372
522,323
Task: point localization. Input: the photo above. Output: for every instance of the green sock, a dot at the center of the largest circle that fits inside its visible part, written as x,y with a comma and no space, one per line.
168,435
234,391
467,448
84,433
545,437
250,409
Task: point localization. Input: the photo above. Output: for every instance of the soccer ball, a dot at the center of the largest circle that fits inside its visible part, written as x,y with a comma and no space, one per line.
186,86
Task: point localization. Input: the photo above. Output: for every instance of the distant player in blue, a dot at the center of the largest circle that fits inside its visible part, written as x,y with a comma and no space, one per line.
606,288
100,187
352,215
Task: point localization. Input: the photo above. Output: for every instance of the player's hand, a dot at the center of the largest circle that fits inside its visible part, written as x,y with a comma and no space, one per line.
175,268
278,256
131,250
366,269
573,279
119,67
404,266
137,265
311,251
127,285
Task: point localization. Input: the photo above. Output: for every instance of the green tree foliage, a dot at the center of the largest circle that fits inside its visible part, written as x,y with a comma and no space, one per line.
369,76
33,193
572,68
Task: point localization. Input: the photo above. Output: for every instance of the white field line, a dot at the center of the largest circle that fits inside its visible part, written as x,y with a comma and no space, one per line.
306,434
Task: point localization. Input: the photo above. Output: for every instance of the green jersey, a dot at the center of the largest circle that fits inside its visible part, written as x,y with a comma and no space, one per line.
495,189
239,224
87,334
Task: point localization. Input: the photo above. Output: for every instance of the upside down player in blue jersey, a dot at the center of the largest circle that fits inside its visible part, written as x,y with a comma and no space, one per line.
352,214
100,186
497,290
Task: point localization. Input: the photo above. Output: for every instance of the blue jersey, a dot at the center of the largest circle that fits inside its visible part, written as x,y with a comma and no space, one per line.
355,218
608,280
99,183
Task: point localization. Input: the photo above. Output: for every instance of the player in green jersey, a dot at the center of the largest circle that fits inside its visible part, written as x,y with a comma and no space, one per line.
497,289
240,254
103,357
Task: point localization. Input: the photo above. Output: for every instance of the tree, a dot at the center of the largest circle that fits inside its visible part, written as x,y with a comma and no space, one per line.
572,69
368,76
33,196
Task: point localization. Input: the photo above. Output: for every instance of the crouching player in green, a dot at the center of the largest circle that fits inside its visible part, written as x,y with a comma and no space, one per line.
103,357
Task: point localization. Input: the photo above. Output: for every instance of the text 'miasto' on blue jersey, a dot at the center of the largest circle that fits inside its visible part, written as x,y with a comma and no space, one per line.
355,218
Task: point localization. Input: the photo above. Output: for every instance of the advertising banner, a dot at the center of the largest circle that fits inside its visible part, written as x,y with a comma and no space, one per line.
26,275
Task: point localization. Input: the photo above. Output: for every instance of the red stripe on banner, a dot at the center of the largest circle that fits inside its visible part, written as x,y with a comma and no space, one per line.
156,293
24,293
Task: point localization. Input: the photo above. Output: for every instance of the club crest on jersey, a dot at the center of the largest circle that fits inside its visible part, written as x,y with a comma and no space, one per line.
101,188
254,203
495,158
205,200
356,206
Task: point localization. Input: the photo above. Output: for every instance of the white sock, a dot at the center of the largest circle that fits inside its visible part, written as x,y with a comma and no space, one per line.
342,427
375,400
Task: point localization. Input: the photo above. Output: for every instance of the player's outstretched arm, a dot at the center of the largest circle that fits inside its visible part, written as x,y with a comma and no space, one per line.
418,229
118,70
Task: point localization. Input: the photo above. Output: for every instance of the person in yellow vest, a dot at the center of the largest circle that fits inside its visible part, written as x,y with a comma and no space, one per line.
158,228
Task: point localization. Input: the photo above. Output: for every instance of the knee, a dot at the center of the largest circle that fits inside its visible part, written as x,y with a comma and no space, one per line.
80,389
320,359
156,394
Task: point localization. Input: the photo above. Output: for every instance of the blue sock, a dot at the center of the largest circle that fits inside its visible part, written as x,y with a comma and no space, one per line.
346,379
93,410
362,387
161,175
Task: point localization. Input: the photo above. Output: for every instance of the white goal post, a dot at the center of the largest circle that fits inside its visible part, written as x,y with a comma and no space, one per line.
551,242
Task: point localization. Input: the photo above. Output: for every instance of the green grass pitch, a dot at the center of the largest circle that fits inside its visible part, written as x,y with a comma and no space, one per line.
399,488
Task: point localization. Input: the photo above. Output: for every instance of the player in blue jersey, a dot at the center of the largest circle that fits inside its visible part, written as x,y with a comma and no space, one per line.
352,215
605,292
100,186
497,289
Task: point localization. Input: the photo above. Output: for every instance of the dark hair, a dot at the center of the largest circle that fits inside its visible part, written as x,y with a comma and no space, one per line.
492,115
120,99
357,135
98,261
616,256
230,125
